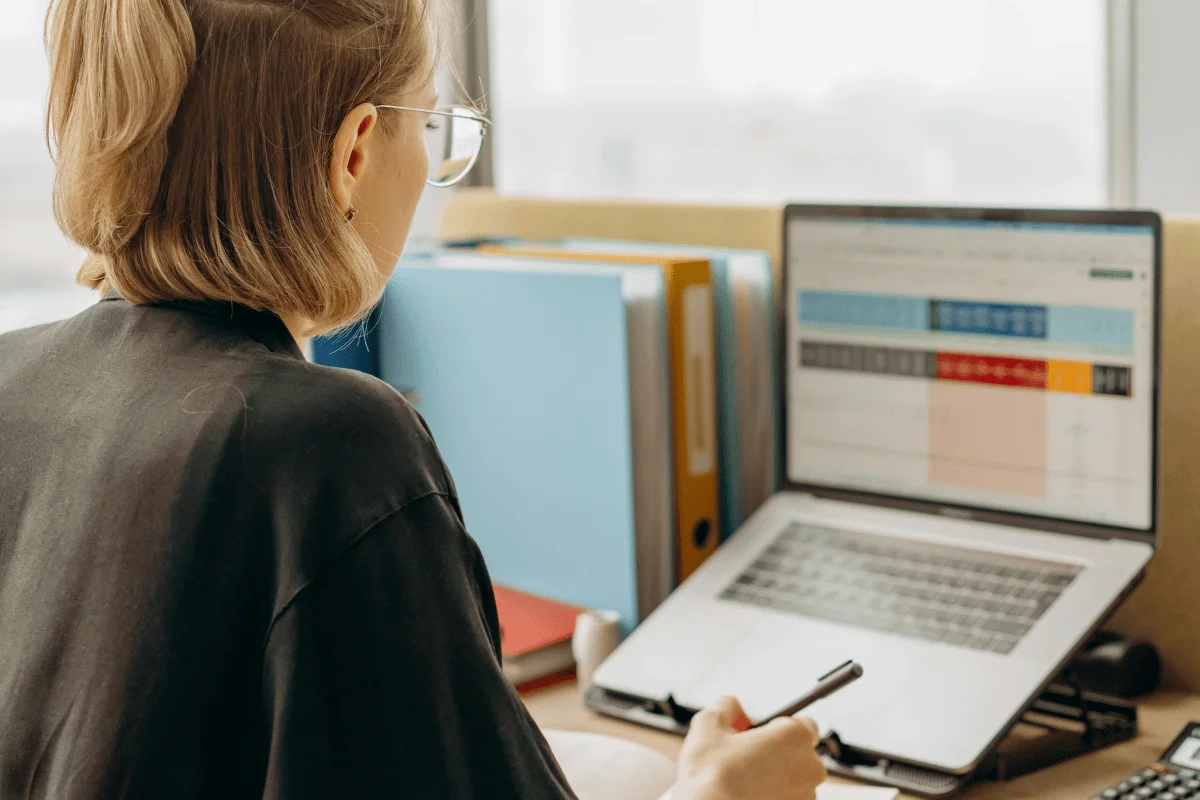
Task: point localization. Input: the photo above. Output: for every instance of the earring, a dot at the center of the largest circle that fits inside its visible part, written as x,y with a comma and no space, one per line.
351,214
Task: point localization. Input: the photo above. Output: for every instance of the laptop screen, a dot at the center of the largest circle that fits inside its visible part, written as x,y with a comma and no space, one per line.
999,365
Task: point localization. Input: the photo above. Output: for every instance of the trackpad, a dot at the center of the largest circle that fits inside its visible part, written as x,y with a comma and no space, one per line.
780,660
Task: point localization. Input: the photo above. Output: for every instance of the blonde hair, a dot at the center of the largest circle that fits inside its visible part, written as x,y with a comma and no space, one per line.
192,140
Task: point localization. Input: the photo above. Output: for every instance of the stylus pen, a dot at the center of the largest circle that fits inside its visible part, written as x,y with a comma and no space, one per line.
827,684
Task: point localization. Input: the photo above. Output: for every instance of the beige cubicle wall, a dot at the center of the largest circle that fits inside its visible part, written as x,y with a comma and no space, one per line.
1166,607
476,212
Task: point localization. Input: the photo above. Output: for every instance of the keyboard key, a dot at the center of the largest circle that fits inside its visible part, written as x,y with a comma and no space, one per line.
1005,627
1016,611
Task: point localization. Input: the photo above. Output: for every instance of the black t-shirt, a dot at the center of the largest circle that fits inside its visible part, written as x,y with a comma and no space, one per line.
228,573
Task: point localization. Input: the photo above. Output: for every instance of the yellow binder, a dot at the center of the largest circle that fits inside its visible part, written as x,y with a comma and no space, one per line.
692,346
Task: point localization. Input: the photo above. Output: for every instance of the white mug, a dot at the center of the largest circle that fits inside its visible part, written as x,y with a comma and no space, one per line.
597,634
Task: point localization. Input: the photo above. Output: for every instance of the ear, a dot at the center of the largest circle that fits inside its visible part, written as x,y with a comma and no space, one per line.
351,154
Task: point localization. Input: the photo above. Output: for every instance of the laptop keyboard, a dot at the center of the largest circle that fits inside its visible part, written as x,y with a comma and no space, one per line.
959,597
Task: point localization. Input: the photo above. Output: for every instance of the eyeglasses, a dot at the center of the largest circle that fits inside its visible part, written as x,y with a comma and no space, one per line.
454,137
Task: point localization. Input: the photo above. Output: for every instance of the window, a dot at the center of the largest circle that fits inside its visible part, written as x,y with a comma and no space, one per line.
37,264
957,101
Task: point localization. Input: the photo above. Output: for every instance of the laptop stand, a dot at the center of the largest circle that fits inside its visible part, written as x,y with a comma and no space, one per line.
1061,724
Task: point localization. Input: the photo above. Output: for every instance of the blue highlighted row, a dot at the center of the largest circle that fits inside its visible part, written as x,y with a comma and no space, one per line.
1068,324
989,319
864,310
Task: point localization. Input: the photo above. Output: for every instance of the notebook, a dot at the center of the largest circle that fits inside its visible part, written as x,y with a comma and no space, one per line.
535,637
747,394
602,767
546,389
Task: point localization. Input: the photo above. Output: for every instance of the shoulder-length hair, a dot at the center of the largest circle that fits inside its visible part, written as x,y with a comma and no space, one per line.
192,140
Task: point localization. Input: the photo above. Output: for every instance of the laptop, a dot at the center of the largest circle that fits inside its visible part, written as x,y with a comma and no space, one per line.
970,437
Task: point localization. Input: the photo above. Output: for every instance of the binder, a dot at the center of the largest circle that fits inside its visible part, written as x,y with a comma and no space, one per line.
748,399
546,388
355,347
689,289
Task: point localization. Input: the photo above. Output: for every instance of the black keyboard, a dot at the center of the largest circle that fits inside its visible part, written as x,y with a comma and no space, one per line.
960,597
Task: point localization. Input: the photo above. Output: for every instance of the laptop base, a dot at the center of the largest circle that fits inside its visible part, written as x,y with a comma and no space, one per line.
1061,724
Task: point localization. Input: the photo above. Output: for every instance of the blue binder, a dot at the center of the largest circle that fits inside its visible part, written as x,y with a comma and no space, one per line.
356,347
523,375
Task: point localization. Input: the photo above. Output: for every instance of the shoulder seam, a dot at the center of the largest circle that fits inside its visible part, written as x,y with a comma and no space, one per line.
364,533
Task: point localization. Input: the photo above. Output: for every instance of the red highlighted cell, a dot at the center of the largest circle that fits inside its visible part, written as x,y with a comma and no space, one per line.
996,370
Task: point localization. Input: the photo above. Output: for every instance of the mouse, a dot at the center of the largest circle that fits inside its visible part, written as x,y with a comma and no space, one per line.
1118,666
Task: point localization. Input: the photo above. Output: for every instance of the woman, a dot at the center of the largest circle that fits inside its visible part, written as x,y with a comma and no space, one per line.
225,572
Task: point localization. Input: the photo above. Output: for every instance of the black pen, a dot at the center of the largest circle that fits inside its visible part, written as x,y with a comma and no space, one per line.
827,684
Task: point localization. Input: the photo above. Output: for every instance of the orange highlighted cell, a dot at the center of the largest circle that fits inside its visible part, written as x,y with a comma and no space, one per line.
987,437
1069,376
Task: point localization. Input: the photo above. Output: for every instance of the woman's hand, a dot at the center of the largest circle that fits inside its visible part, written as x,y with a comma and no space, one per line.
722,760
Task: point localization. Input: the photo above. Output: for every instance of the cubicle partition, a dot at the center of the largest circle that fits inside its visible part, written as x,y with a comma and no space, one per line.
1166,607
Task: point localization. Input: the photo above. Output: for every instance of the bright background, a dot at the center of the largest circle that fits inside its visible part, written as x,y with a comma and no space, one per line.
958,101
1001,102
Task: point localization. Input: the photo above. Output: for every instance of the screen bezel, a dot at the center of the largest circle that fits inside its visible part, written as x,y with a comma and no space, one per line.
1131,218
1191,730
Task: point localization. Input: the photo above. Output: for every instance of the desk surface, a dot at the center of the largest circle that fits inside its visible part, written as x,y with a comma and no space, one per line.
1161,717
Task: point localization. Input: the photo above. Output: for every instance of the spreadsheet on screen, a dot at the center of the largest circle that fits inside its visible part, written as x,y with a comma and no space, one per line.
1004,365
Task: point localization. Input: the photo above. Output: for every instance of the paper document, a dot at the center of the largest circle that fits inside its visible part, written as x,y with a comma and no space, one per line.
842,791
607,768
